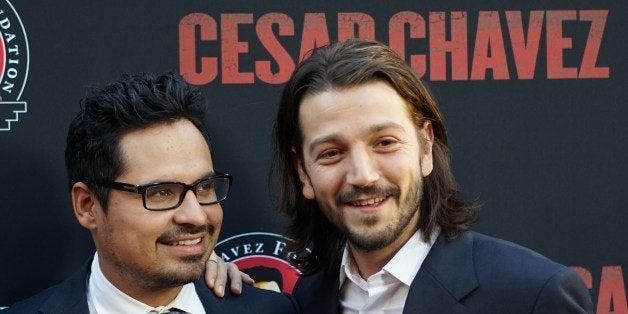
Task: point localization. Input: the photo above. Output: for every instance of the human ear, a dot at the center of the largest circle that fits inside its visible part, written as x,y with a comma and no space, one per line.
427,160
85,205
308,189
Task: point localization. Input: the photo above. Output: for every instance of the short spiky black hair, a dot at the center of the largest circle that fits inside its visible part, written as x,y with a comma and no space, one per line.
135,101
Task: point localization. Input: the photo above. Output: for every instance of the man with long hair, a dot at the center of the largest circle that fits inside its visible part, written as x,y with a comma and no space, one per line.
373,207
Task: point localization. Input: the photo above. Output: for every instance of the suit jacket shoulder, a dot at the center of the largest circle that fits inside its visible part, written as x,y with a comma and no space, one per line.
479,274
318,293
70,297
67,297
473,273
252,300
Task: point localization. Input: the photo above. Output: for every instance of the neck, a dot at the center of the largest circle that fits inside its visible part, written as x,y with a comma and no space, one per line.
371,262
153,297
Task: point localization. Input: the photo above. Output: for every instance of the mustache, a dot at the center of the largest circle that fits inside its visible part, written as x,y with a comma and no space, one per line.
179,231
354,192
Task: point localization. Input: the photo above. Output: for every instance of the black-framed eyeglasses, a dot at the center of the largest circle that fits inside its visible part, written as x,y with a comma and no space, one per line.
168,195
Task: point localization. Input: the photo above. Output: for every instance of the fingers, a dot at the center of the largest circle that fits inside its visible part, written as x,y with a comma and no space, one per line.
221,278
236,278
211,269
212,278
247,279
217,272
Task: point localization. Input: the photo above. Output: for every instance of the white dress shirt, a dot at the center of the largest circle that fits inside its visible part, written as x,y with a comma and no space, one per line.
103,297
387,290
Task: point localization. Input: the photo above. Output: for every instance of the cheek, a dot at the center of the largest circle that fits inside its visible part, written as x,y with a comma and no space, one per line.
138,228
139,231
403,169
327,180
123,239
215,215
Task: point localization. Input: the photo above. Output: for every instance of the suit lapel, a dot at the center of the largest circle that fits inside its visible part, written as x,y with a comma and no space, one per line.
332,294
446,276
319,293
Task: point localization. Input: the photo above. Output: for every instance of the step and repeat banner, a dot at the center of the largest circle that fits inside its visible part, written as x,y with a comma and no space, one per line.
533,94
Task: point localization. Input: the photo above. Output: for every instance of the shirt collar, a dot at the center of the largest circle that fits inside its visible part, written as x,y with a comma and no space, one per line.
404,265
104,297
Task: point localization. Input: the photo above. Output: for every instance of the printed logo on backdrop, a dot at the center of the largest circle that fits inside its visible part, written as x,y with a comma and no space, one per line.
263,256
453,45
14,59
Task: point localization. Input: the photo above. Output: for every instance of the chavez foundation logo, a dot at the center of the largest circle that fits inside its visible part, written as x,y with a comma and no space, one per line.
14,58
263,256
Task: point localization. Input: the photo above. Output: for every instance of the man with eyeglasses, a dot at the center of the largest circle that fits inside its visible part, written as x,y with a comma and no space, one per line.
143,181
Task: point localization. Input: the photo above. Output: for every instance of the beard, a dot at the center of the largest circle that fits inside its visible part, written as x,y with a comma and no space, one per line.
372,240
164,274
189,269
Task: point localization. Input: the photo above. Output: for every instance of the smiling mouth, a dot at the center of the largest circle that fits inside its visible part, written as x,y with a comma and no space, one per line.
186,242
367,202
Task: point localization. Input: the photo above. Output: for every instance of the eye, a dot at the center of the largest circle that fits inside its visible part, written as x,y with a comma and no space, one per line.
330,153
205,187
329,156
161,192
387,143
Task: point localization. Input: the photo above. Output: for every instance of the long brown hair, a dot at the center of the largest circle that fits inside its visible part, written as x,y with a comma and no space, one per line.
317,241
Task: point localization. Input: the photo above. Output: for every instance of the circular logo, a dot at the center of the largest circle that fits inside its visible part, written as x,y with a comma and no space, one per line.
14,62
263,256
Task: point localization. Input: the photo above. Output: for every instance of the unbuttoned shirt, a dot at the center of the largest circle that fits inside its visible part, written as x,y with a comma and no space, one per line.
103,297
387,290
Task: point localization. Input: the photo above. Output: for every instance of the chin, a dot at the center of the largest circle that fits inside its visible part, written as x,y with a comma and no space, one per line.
201,258
184,274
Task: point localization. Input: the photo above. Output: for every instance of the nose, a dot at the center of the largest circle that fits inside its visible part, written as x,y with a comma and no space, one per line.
190,212
362,168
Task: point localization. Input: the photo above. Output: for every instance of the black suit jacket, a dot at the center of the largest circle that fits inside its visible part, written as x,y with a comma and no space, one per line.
70,297
472,274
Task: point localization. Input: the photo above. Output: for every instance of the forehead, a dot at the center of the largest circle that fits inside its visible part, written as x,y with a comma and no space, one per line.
166,151
366,107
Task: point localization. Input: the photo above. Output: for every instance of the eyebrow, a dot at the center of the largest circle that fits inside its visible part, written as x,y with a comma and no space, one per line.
207,174
372,129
